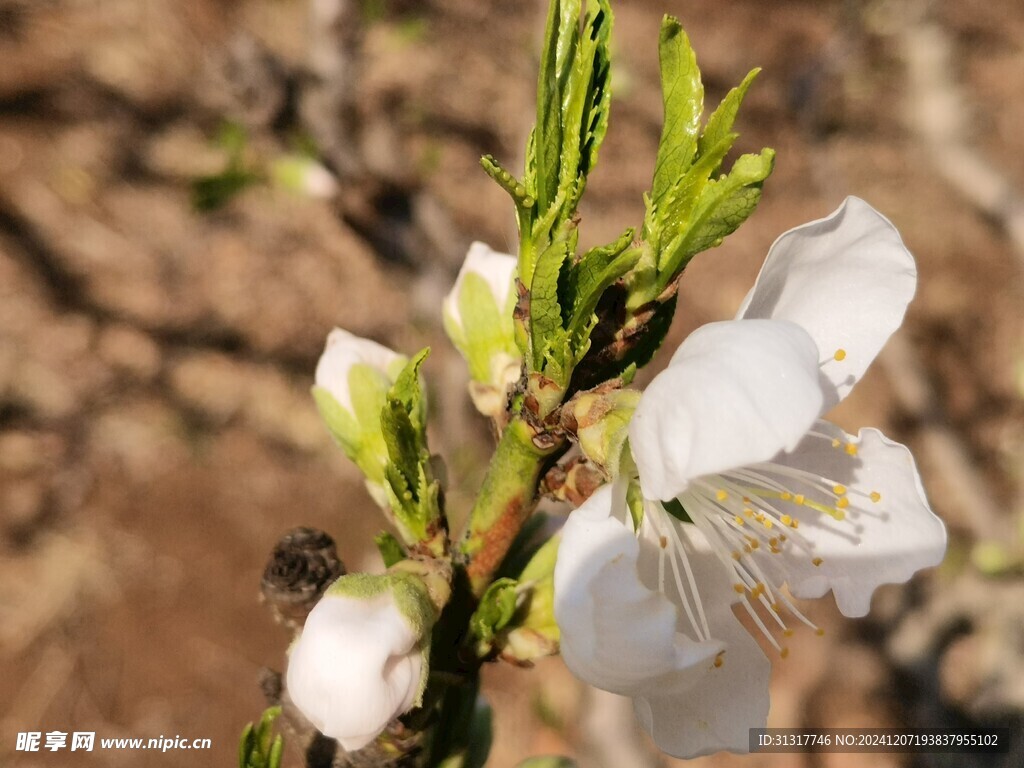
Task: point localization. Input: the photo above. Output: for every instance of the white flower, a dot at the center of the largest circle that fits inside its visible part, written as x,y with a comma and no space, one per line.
478,319
748,496
361,659
353,377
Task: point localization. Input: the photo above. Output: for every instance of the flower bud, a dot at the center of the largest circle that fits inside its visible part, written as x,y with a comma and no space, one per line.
478,320
362,657
600,421
352,381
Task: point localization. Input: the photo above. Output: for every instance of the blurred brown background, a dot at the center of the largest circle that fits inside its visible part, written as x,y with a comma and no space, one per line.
165,292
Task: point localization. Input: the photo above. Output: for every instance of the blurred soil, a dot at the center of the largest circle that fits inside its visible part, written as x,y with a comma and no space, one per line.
156,432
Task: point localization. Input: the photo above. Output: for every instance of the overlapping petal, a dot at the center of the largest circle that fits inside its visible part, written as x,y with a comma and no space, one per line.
724,702
847,280
736,392
617,633
887,533
355,667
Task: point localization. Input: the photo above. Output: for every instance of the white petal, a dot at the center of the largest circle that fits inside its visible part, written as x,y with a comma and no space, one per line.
846,279
723,702
883,542
496,268
354,668
616,633
723,705
342,351
736,392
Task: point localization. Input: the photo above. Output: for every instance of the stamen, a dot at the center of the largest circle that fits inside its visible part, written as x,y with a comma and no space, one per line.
839,356
689,577
875,496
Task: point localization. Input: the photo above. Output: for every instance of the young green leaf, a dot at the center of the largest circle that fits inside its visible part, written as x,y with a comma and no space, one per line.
683,99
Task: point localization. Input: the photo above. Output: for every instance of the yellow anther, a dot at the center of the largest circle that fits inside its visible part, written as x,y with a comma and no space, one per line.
757,591
736,555
746,499
786,496
817,561
843,503
748,512
721,495
719,661
739,520
820,631
838,490
876,496
799,499
787,632
747,549
663,542
786,520
835,443
767,522
739,588
840,355
774,607
784,653
754,544
773,542
774,550
851,449
782,537
796,524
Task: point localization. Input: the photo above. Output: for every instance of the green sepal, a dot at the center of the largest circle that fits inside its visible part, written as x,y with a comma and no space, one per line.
635,504
675,508
390,548
358,431
532,632
258,747
495,611
411,488
486,330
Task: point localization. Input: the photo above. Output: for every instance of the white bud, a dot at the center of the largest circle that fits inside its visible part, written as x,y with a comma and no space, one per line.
478,319
343,352
361,660
498,272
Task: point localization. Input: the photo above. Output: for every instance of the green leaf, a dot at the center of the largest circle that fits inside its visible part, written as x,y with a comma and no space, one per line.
516,189
724,205
598,269
559,46
683,99
720,123
546,332
258,747
391,550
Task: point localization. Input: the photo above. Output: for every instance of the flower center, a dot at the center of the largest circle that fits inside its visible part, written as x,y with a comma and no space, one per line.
750,514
